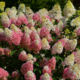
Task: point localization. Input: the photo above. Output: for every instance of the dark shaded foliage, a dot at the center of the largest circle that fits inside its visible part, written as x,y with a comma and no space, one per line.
35,4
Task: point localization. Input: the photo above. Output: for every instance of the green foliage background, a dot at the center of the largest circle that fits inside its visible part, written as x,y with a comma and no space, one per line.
38,4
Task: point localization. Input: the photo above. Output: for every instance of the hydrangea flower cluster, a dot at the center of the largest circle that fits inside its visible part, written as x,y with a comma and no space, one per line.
40,45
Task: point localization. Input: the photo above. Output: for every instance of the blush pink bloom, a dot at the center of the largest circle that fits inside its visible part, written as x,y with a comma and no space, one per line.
26,40
18,22
22,56
67,74
2,51
15,74
34,35
46,69
12,37
49,38
36,17
52,63
30,76
13,19
3,74
28,66
21,19
45,76
16,29
15,38
44,32
36,46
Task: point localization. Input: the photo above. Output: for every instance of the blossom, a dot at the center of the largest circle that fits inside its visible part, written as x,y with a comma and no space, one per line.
45,44
68,74
77,56
3,74
34,36
12,37
75,22
57,48
21,7
28,66
76,70
36,46
22,56
36,17
70,44
43,12
77,31
5,20
12,13
16,29
44,32
52,63
47,23
69,9
30,76
49,38
29,56
26,41
2,35
29,12
69,60
21,19
56,12
46,69
45,76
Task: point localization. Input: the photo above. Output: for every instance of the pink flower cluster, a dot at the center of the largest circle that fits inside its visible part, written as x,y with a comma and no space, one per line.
3,74
39,33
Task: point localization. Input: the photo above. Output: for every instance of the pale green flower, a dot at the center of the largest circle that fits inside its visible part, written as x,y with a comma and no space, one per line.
2,5
76,22
56,12
21,7
69,60
69,9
